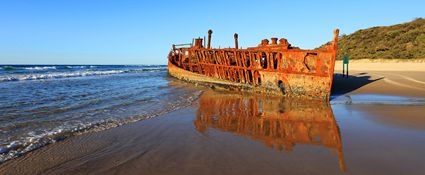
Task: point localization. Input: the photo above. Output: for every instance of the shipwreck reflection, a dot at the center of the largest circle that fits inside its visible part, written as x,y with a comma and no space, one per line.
277,122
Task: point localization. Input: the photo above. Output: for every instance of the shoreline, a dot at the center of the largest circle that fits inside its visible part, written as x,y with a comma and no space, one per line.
171,137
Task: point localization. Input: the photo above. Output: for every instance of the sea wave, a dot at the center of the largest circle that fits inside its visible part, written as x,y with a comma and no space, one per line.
8,68
54,67
55,75
34,141
40,68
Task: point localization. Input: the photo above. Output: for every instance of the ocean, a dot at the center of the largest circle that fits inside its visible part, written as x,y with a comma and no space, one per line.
43,104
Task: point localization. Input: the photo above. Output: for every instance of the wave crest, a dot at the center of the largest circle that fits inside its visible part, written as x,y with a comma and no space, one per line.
57,75
71,71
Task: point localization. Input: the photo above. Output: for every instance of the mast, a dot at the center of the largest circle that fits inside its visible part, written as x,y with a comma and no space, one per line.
209,38
236,40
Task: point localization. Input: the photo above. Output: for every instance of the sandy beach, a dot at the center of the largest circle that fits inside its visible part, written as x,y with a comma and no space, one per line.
374,124
212,87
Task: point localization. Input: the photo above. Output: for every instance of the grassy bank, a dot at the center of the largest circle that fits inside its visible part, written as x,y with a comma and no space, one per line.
401,41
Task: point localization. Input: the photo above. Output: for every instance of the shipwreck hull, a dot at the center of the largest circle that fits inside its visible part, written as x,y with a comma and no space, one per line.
276,69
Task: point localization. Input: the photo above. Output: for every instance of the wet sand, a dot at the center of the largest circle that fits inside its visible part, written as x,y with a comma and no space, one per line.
374,124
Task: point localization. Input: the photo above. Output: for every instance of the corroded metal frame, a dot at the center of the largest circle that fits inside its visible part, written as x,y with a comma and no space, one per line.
271,68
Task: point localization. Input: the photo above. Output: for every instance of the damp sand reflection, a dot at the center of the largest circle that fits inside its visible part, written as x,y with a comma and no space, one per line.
277,122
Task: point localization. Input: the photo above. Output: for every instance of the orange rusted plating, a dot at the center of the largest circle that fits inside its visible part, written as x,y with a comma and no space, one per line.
271,68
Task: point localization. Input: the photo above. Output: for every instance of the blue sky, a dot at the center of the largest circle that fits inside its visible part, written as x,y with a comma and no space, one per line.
141,32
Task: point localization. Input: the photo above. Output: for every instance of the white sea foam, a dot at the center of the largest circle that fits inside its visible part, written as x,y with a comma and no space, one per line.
34,141
79,73
40,68
33,118
375,99
57,75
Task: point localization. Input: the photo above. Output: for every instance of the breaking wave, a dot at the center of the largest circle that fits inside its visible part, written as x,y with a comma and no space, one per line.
35,113
35,141
40,68
56,75
8,68
82,73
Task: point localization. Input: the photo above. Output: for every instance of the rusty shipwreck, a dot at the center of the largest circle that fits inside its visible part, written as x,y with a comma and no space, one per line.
274,67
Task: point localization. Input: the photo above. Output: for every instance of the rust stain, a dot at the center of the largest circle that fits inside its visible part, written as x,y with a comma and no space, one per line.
273,67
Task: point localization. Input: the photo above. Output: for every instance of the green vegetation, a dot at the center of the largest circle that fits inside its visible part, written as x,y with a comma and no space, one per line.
401,41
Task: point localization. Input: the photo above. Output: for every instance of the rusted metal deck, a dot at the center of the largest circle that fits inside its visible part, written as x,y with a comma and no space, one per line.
272,67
